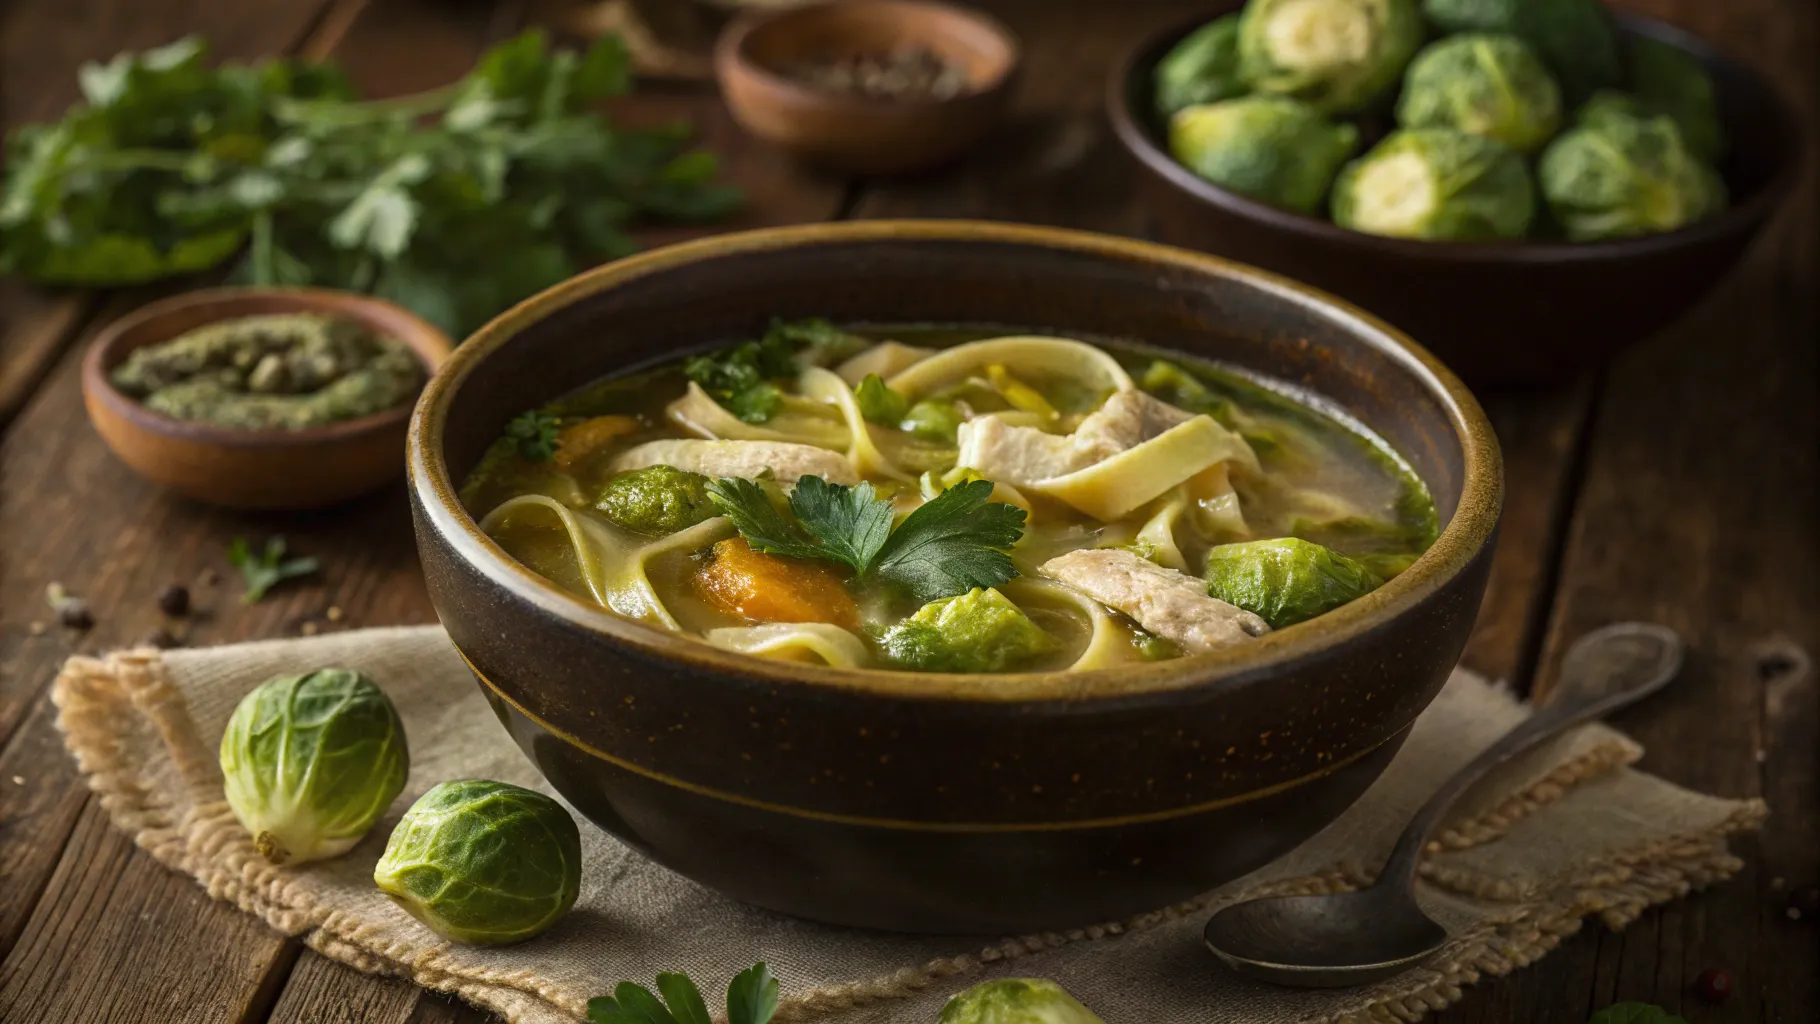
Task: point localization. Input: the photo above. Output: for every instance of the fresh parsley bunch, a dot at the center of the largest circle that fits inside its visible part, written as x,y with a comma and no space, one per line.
751,999
455,203
951,544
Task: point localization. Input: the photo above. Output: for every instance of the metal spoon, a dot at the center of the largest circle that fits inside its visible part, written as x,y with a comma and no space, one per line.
1356,938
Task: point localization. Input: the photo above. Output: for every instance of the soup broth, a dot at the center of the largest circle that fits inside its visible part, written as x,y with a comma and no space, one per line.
939,499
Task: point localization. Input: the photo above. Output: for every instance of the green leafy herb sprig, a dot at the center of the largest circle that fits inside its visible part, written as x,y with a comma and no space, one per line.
534,435
742,377
455,203
268,568
951,544
751,999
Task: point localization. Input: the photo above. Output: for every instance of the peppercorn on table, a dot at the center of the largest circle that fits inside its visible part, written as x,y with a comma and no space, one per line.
1681,485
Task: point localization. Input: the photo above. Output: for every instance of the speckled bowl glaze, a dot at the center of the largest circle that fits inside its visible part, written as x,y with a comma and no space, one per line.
953,803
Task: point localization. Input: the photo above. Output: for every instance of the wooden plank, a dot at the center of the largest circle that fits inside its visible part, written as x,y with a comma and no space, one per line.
1699,510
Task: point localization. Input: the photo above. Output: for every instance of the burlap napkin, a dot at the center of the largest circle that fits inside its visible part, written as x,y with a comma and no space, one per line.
1566,833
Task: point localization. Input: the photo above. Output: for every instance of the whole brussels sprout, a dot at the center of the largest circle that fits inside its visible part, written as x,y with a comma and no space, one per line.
1202,68
1487,85
1575,38
1669,80
1274,149
1616,175
1017,1001
979,631
1339,55
481,862
656,499
1436,183
1287,580
310,761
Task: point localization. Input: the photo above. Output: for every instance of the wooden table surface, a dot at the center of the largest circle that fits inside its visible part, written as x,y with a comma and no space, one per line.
1677,485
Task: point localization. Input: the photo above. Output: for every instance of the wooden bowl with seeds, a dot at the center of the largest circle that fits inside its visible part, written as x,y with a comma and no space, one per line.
215,453
868,86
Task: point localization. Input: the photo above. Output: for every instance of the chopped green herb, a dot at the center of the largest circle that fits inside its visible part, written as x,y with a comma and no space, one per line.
456,202
878,403
951,544
268,568
534,435
751,999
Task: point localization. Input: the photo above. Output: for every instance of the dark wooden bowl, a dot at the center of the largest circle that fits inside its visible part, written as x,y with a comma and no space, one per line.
263,469
1495,312
953,803
858,134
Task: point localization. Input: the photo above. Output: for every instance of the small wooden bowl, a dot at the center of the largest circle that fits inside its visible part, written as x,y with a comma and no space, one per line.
260,469
856,134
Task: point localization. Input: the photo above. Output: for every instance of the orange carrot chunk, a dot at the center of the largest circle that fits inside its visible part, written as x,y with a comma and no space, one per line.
767,588
578,441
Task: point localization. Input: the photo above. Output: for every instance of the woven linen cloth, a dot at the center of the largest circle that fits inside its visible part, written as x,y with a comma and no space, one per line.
1564,833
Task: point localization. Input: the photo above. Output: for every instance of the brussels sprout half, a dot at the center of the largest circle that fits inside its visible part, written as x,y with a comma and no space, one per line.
1436,183
1271,148
1202,68
309,762
656,500
1017,1001
1618,174
1575,38
481,862
1287,580
1339,55
1490,85
979,631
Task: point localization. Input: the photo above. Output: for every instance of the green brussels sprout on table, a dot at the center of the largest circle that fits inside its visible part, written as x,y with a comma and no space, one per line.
309,762
1338,55
1617,174
1271,148
1490,85
1668,80
1575,38
979,631
484,863
1017,1001
656,500
1202,68
1287,580
1436,183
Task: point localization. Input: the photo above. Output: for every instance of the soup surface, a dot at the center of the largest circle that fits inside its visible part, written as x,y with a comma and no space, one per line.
949,500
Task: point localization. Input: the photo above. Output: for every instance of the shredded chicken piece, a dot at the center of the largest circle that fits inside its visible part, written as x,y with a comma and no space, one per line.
1170,604
786,462
1026,455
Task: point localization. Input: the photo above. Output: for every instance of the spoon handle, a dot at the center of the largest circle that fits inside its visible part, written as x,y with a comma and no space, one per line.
1603,671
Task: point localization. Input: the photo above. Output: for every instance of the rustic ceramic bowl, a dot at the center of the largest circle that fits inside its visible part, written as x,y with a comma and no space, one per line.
1502,311
952,803
266,469
858,134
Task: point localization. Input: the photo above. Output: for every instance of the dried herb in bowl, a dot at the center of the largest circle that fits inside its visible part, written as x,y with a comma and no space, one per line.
903,73
286,371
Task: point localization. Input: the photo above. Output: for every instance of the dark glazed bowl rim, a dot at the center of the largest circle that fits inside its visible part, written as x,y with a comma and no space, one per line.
734,49
1467,533
1137,139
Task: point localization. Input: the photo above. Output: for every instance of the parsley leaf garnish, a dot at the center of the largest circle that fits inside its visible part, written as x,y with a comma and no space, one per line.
949,545
268,568
751,999
534,435
742,377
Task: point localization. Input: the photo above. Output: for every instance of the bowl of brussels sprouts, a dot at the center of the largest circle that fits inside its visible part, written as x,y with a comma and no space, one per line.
1526,186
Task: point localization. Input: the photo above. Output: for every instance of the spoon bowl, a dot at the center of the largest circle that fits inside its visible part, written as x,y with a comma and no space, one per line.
1355,938
1317,941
